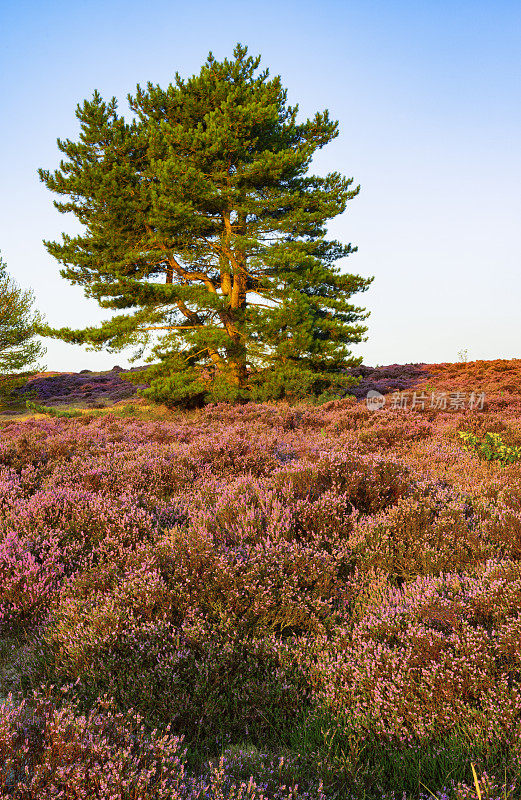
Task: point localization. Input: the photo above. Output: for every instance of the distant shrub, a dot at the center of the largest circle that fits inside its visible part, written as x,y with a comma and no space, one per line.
52,412
393,434
10,386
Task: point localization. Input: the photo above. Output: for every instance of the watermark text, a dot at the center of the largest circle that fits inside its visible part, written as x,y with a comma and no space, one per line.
439,401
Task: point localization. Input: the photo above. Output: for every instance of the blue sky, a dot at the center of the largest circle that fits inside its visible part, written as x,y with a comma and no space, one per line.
427,95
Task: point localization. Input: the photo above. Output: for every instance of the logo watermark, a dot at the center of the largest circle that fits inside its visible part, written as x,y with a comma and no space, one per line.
439,401
374,400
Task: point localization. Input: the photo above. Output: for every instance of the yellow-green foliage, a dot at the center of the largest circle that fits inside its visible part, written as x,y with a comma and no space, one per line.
490,448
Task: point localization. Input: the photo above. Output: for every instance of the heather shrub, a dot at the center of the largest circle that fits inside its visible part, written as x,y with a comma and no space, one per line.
371,482
47,750
504,493
487,787
440,654
272,586
502,527
10,487
249,510
343,415
281,415
81,525
480,424
393,434
233,452
420,536
57,533
27,447
176,657
201,677
96,608
27,583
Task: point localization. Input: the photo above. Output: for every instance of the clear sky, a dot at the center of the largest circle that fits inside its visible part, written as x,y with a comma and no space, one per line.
427,95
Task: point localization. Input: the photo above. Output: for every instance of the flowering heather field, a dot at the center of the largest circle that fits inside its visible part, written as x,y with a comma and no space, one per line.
86,388
264,601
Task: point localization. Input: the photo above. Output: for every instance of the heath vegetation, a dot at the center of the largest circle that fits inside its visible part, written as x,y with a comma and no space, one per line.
264,600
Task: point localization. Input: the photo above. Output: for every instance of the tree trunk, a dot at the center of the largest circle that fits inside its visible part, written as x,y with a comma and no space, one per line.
239,372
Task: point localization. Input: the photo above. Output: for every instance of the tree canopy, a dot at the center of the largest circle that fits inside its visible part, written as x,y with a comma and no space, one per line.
19,349
203,228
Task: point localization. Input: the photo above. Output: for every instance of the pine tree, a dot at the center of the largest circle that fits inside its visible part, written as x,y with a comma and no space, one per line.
204,229
19,350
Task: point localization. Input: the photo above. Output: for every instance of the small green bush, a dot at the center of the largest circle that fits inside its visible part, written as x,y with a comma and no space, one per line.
490,448
52,412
